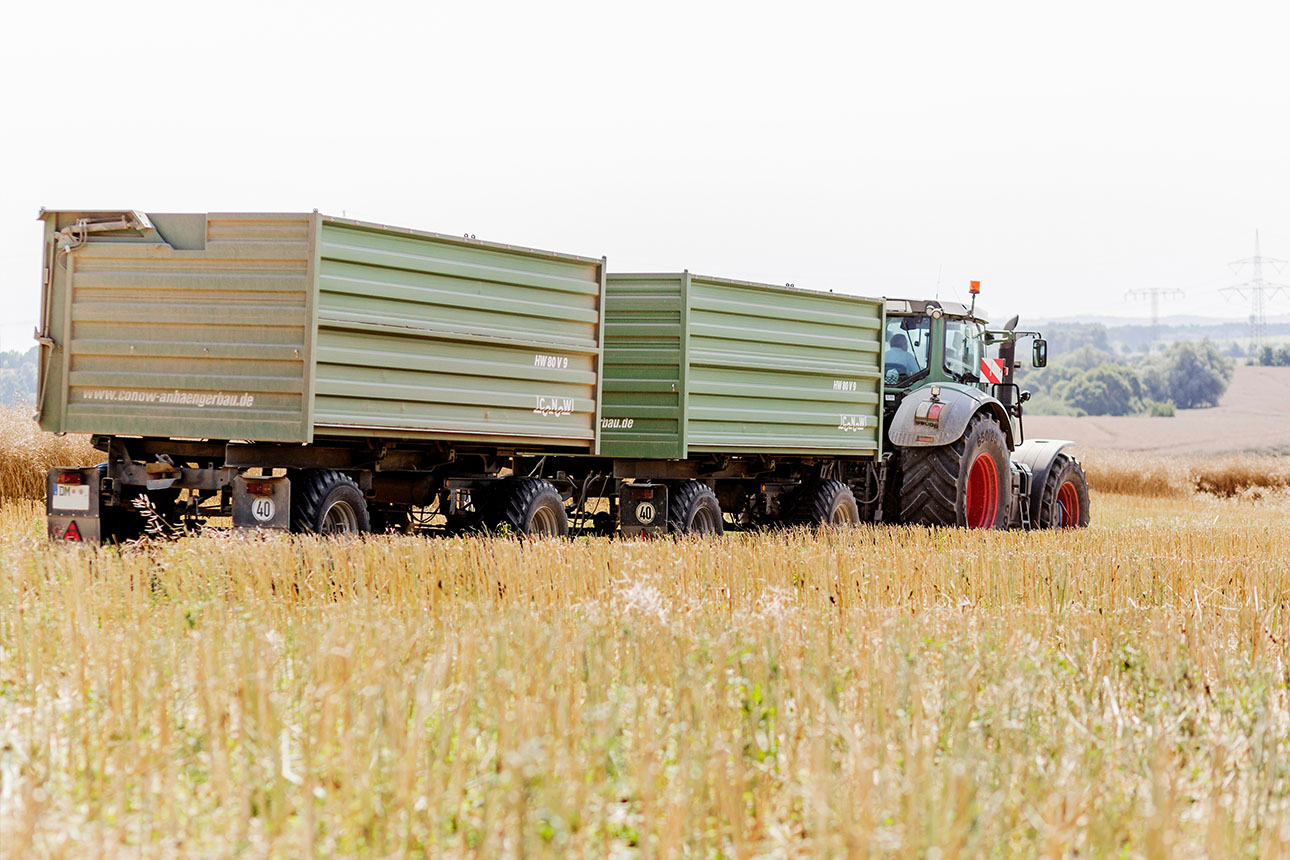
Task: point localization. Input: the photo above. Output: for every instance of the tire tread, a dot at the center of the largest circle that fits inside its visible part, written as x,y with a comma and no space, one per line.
309,490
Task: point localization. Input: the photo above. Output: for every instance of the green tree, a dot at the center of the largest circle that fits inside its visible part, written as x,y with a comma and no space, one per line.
1191,374
1108,389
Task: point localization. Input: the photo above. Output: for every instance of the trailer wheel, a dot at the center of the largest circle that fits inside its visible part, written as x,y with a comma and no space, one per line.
967,483
527,506
327,502
389,521
126,522
827,503
1064,503
694,509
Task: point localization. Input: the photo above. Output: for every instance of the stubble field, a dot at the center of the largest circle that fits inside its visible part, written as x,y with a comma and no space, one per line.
883,691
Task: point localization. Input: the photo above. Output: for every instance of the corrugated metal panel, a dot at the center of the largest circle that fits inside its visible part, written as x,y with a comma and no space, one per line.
780,370
759,368
428,335
644,333
207,342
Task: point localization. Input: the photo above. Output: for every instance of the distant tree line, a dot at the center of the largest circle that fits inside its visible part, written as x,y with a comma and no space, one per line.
1092,381
1273,357
18,376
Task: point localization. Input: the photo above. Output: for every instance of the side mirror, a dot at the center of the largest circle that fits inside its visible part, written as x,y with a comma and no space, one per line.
1040,356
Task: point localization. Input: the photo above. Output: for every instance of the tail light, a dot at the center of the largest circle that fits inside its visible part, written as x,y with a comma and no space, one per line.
259,488
71,478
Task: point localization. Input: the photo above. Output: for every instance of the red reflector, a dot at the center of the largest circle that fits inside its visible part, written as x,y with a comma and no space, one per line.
72,533
926,438
934,412
644,493
71,478
259,488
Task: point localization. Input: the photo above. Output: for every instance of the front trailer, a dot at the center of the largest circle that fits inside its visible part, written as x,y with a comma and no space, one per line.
323,375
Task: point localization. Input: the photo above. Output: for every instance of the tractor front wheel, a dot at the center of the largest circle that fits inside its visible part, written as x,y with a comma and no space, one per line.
1064,503
967,483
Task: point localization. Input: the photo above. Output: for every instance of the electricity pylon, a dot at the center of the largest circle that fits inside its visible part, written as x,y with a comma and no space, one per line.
1155,294
1257,291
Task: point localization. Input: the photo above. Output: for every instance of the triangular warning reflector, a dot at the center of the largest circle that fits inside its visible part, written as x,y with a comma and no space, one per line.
72,533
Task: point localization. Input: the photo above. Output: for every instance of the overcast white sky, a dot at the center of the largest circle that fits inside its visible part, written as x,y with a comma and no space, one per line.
1060,153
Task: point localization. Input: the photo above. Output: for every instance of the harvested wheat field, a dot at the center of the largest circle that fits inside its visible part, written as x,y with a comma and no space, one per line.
886,692
1251,416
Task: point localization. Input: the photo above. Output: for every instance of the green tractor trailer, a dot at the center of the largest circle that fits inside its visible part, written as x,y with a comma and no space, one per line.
318,374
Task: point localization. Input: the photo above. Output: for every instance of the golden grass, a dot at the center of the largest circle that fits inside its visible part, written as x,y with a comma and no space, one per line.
891,692
1175,476
27,454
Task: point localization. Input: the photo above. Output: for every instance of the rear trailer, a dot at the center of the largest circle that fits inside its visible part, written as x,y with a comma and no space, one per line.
200,349
304,328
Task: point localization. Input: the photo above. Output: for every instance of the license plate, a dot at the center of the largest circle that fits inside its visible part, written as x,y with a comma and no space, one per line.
71,497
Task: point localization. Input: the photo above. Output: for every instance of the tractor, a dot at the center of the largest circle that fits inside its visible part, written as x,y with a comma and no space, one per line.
953,415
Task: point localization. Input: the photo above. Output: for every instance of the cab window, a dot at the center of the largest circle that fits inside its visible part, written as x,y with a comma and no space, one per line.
909,340
964,346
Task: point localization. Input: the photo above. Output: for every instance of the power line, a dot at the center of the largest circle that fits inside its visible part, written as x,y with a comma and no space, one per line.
1257,291
1155,295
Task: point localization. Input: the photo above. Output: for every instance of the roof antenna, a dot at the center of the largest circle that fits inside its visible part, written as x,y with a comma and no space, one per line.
939,266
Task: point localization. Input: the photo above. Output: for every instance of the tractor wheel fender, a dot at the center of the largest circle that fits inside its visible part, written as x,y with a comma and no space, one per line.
958,405
1038,455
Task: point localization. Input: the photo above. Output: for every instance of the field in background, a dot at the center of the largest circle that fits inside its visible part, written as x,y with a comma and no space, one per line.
874,692
1254,415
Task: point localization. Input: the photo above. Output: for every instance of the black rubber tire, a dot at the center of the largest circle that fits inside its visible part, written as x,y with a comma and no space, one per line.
1052,513
891,489
528,506
118,524
825,503
389,521
123,523
692,508
934,480
316,493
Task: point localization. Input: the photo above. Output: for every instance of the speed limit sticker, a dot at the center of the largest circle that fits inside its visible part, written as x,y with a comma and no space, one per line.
263,509
645,513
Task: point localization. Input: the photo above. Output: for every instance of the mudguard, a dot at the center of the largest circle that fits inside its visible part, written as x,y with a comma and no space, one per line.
1038,455
958,404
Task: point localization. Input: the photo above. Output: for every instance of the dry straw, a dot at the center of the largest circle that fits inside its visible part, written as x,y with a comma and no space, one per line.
1174,476
1120,691
27,454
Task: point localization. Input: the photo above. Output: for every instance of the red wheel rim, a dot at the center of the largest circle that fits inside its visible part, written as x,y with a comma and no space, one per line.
982,493
1067,506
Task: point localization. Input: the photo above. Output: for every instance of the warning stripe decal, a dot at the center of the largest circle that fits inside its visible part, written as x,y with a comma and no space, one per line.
992,369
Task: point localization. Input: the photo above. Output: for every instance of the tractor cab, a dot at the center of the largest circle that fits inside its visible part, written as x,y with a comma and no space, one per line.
929,341
950,345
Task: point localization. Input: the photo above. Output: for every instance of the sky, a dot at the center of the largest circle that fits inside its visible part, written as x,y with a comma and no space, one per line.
1061,154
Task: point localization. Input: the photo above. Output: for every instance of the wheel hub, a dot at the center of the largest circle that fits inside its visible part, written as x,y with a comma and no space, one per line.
1068,513
982,498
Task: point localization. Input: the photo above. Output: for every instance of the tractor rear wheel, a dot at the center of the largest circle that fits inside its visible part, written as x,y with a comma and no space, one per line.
1064,503
967,483
693,509
528,506
826,503
327,502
